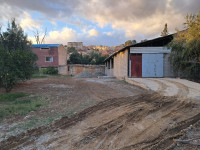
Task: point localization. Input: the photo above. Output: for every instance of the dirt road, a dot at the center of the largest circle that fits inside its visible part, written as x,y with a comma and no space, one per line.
126,117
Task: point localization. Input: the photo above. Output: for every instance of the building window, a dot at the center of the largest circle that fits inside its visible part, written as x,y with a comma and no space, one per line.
44,48
49,59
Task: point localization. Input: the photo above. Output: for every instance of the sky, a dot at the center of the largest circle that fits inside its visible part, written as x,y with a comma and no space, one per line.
97,22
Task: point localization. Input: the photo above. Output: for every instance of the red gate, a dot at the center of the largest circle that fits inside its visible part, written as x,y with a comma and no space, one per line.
136,65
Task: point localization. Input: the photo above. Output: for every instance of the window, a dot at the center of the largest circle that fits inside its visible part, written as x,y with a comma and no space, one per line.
44,48
49,59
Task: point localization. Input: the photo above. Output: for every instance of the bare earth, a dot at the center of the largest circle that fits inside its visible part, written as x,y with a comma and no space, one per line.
107,114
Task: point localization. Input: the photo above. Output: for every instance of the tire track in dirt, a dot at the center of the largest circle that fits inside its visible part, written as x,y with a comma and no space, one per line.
183,90
147,121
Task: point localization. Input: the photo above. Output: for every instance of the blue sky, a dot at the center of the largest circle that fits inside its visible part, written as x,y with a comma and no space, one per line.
97,22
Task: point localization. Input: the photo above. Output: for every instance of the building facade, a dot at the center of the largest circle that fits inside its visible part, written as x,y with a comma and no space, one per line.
145,59
50,55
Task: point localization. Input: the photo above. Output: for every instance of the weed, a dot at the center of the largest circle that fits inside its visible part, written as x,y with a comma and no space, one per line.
11,96
14,106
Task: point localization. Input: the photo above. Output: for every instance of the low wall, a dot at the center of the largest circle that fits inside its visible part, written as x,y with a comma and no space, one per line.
75,69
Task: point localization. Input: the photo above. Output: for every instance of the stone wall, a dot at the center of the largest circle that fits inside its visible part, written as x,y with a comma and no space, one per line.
74,69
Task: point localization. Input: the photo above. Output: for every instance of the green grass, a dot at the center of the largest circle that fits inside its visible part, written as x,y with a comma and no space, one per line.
12,105
39,76
9,97
46,76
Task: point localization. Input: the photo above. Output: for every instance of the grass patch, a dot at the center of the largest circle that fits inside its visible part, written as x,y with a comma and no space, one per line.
46,76
9,97
12,105
39,76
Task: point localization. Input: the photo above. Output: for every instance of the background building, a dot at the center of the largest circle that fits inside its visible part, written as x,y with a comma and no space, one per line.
76,45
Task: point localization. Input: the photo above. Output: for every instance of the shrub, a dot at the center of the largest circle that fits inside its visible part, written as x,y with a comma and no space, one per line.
50,70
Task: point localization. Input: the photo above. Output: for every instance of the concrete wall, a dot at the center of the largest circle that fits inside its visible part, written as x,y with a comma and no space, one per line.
75,69
62,56
121,64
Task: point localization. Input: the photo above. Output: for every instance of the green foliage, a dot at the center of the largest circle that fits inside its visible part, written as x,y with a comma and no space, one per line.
185,55
93,58
39,76
130,42
49,70
71,50
13,105
11,96
17,62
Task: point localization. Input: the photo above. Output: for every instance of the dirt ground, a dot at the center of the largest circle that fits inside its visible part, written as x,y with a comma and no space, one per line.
110,114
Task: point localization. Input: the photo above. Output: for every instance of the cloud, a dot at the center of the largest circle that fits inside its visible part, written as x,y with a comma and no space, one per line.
63,36
108,33
133,19
93,32
29,23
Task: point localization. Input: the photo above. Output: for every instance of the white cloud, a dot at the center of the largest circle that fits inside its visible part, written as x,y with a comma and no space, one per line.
29,23
63,36
108,33
131,18
93,32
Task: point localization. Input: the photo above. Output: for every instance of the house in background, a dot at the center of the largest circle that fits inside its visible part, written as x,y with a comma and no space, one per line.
50,55
145,59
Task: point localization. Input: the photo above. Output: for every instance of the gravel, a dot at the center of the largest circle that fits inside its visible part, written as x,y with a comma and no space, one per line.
84,75
98,74
89,75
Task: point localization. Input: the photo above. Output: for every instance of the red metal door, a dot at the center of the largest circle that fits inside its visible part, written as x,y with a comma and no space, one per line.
136,65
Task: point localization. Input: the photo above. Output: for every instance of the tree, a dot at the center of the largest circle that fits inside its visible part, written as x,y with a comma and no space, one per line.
70,49
130,42
17,62
165,31
93,58
37,36
75,58
185,55
144,40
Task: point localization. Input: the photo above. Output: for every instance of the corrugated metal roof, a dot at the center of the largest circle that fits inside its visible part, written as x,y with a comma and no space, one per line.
45,45
168,38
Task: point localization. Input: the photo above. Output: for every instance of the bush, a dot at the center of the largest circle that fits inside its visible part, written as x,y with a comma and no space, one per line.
50,70
185,48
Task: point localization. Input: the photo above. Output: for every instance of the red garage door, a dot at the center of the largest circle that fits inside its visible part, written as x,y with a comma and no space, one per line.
136,65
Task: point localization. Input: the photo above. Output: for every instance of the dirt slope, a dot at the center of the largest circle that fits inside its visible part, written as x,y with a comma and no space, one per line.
147,121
